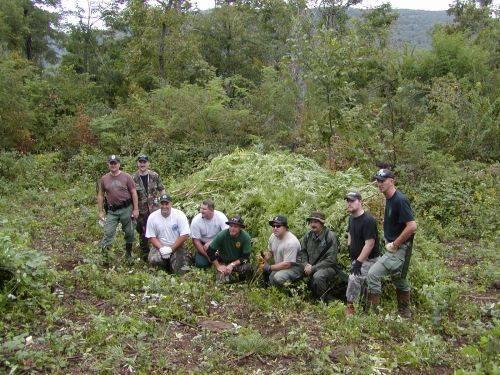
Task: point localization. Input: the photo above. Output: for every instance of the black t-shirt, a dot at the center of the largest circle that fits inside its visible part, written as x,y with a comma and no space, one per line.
145,181
397,212
362,228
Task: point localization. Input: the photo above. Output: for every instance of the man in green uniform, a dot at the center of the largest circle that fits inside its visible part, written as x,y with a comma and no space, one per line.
149,187
318,258
119,190
399,228
230,251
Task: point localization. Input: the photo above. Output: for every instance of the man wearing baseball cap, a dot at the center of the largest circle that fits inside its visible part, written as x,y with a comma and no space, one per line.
283,247
167,230
230,251
118,190
362,241
149,187
399,228
318,258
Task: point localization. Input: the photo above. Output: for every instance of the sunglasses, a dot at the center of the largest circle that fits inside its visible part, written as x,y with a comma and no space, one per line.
276,225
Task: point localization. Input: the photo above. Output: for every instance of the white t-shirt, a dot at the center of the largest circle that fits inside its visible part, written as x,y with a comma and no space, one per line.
285,249
167,229
205,230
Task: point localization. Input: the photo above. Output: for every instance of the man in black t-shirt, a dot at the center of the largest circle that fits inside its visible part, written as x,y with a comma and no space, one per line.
399,228
362,240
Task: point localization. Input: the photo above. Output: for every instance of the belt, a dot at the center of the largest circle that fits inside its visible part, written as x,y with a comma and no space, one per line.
115,207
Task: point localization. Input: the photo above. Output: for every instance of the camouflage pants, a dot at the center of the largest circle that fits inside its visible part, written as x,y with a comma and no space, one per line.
393,264
240,272
123,216
356,282
178,263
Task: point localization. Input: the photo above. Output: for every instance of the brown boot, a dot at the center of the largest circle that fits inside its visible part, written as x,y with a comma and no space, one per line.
349,309
373,301
404,303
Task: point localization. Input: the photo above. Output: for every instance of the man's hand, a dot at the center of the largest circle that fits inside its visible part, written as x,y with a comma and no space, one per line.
390,247
102,215
222,269
308,269
135,214
356,268
229,268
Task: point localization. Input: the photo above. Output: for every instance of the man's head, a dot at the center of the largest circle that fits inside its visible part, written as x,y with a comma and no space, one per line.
236,224
280,225
113,163
142,163
385,181
353,202
165,205
207,208
316,221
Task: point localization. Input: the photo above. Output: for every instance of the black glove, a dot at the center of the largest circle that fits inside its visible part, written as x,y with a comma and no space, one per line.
266,268
356,267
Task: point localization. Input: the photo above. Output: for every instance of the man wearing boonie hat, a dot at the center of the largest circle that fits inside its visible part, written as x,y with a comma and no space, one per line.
149,187
230,251
399,228
283,247
117,203
362,241
167,229
318,258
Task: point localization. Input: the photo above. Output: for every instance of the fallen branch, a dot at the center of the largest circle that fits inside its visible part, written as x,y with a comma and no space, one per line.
186,324
242,357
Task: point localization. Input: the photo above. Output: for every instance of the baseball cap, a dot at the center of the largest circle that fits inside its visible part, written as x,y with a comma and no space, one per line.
142,158
165,198
383,174
113,158
237,220
352,196
279,219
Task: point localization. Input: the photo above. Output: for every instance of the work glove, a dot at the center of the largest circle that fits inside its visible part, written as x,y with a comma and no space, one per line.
266,268
356,267
165,252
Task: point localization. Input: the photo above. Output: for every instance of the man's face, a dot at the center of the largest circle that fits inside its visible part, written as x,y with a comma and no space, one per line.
315,225
279,230
142,165
113,166
165,208
234,230
385,185
353,205
206,212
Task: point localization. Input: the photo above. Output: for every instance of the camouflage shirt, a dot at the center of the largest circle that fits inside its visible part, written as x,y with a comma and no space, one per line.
148,199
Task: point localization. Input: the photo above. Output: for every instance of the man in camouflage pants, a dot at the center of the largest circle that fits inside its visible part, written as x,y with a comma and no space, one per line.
149,187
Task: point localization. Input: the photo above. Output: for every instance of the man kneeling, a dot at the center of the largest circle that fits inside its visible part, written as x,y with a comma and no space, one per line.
230,251
167,230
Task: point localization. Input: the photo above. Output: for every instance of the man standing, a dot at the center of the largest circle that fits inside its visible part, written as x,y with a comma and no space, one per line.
167,230
204,228
230,251
283,247
362,241
149,188
118,189
318,257
399,228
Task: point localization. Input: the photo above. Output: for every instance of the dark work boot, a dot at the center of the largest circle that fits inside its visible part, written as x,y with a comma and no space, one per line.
403,303
128,252
373,301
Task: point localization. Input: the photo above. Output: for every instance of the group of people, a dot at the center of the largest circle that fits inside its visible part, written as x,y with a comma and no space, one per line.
140,199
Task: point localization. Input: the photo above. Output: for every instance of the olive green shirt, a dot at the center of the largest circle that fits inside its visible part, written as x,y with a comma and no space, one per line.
319,251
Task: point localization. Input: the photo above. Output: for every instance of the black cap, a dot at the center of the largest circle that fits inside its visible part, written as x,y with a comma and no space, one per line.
237,220
165,198
316,215
142,158
280,220
352,196
383,174
113,158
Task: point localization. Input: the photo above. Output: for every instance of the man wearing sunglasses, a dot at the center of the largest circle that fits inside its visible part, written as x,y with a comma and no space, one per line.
118,190
230,251
283,247
399,228
149,188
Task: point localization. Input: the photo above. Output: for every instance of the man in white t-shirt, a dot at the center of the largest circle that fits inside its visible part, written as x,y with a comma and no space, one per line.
283,247
204,227
167,230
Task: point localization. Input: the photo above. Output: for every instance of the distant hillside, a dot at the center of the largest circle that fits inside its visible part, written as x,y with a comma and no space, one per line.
413,26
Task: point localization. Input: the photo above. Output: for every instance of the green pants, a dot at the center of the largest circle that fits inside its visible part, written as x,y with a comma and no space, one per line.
123,216
393,264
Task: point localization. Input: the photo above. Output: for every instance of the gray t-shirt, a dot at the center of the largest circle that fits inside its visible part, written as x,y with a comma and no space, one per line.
205,230
285,249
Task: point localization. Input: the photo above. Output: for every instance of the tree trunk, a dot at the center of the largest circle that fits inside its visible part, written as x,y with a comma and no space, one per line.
28,41
161,50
